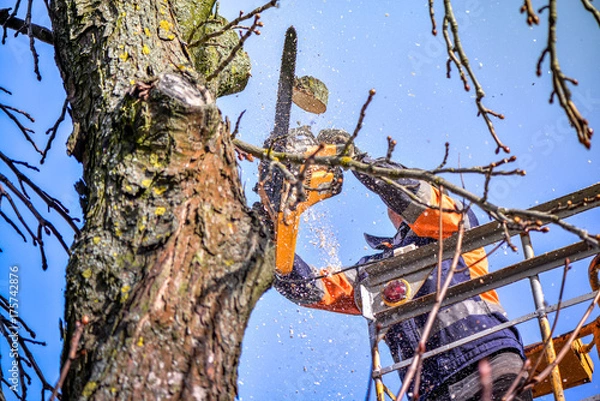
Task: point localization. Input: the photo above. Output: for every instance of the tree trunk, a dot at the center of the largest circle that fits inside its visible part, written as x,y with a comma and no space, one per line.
170,261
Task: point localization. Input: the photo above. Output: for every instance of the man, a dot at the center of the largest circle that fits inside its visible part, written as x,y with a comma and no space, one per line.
452,375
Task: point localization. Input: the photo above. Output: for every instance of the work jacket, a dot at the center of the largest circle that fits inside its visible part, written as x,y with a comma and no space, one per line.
460,320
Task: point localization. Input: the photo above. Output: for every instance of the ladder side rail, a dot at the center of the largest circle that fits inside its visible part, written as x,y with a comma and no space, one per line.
422,260
375,360
530,316
490,281
425,257
545,330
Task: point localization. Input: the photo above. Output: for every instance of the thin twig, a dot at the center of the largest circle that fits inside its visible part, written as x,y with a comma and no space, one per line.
7,16
229,26
390,149
8,110
485,170
54,130
8,20
532,17
12,223
432,18
235,49
541,356
457,48
566,347
417,384
51,202
10,326
300,193
43,226
79,327
359,123
452,56
29,26
237,124
361,117
590,7
426,331
516,386
560,81
446,154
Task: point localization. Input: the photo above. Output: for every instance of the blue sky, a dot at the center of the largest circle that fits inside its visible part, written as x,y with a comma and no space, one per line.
292,353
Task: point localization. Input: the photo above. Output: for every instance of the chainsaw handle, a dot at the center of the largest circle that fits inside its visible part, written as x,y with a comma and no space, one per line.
320,185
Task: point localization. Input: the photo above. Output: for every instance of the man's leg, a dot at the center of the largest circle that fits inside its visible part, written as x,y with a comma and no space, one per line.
504,369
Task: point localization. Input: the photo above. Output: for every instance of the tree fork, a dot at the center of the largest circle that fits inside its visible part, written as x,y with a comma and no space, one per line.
170,261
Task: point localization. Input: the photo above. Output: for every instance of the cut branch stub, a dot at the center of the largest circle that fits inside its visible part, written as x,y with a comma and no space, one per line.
310,94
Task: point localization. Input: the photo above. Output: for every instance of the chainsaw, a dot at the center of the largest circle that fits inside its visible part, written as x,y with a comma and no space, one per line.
284,202
284,199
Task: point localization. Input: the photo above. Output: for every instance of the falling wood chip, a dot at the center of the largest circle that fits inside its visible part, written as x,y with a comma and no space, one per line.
310,94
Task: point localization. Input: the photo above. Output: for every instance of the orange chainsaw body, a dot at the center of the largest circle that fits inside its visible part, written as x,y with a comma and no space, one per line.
317,184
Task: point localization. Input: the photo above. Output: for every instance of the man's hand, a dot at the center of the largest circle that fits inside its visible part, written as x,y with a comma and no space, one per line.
276,190
334,136
285,200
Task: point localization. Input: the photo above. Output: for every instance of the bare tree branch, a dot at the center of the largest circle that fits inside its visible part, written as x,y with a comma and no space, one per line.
391,146
51,202
532,17
54,130
526,220
432,18
79,327
552,330
590,7
12,112
440,295
561,355
25,26
236,48
458,55
32,49
8,20
359,123
10,328
229,26
8,189
560,81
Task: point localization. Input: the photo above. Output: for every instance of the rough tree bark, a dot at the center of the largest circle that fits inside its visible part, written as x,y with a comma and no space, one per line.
170,261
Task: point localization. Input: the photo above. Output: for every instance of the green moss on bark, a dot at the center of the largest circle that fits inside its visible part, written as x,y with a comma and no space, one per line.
196,19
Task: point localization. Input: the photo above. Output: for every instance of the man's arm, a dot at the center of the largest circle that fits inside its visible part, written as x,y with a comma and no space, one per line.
422,211
423,214
333,292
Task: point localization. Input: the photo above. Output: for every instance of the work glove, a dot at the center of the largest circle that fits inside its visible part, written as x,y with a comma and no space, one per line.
339,137
284,200
271,179
300,140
